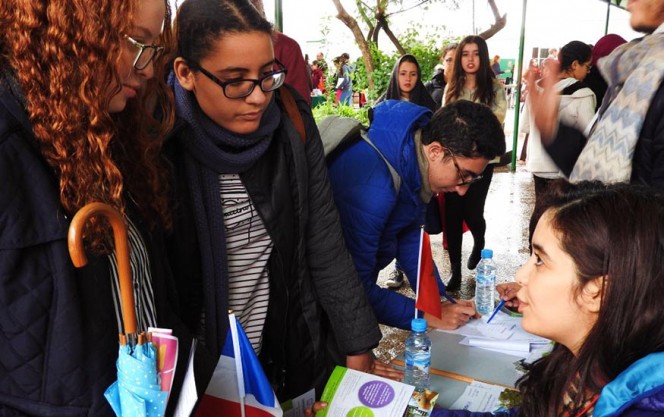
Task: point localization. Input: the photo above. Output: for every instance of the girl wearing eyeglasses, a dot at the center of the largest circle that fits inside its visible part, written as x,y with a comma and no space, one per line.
74,77
256,229
471,79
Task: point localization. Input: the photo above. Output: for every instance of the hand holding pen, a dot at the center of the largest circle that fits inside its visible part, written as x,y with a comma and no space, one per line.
507,292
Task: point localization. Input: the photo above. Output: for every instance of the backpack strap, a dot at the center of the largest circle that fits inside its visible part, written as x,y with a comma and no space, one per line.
293,112
573,88
396,179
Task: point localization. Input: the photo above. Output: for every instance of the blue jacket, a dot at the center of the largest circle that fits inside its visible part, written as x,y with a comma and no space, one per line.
378,224
637,392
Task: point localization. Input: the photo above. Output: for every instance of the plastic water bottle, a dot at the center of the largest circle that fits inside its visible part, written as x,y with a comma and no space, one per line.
418,356
486,283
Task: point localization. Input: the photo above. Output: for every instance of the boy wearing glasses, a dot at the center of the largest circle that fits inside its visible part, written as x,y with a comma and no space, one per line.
443,153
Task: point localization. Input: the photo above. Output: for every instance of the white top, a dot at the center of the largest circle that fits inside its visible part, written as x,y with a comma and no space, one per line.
575,110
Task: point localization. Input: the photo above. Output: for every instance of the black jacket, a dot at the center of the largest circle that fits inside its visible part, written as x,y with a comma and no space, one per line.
648,159
436,87
317,310
58,334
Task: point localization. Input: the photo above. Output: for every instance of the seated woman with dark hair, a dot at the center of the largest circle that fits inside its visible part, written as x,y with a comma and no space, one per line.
593,285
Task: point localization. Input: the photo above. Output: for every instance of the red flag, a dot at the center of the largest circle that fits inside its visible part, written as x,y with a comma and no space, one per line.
427,298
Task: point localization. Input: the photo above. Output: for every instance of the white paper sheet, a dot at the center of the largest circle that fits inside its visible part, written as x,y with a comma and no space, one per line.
504,334
478,397
299,404
188,394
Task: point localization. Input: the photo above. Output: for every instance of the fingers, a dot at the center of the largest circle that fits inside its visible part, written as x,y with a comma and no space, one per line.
455,315
318,405
385,370
507,291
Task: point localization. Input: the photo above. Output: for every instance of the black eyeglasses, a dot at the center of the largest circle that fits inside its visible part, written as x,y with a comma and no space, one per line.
243,87
467,178
146,53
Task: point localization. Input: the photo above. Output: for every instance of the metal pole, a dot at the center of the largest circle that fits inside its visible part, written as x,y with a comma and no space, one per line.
517,105
608,15
278,16
474,31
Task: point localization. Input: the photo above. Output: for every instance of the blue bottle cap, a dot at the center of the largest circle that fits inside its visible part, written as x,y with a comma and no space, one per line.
418,325
487,253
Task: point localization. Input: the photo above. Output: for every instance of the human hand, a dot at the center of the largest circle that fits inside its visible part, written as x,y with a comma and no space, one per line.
544,103
508,292
368,364
318,405
454,315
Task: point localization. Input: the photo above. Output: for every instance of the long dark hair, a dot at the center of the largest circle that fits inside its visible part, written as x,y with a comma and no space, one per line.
419,95
615,232
484,93
200,23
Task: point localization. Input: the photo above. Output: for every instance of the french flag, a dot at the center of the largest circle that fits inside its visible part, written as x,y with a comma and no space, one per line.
239,387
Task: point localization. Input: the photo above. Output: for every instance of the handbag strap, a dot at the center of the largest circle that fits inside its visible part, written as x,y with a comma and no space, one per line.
293,112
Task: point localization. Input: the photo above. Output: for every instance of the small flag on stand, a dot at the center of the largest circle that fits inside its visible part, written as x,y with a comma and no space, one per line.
427,298
239,387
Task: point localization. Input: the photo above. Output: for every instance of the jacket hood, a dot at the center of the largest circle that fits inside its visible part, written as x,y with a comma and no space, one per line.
400,119
640,386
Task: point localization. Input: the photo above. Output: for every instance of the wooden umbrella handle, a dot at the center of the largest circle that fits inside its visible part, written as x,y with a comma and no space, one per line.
77,253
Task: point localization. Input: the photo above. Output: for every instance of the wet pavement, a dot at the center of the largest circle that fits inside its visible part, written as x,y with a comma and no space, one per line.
507,212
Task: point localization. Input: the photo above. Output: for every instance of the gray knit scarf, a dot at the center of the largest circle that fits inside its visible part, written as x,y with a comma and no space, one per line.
634,72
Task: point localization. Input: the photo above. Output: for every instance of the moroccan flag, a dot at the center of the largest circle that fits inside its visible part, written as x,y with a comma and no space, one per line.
239,386
427,298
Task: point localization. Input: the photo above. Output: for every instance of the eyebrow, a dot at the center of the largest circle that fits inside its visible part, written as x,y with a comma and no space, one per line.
242,69
144,32
540,250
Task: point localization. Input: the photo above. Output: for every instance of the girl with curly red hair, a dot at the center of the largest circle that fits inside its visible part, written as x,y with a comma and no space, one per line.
79,82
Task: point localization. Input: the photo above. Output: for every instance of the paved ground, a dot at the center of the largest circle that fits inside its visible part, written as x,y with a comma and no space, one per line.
507,212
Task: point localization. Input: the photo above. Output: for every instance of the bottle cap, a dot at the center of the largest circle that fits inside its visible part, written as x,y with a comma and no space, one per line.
487,253
418,325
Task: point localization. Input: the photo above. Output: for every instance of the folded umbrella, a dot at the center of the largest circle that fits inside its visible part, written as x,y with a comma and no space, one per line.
137,392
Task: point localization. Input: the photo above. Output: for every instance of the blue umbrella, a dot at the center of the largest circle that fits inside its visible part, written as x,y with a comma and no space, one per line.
137,392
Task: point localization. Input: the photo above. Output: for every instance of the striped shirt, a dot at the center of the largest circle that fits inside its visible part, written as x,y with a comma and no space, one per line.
248,246
141,279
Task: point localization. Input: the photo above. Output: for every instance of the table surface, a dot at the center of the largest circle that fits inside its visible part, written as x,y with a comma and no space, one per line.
454,366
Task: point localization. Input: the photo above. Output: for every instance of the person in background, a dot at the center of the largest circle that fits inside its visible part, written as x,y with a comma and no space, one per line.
599,249
74,129
553,53
405,84
345,80
317,77
472,79
436,86
445,153
495,66
604,46
288,52
577,108
625,142
338,73
256,230
322,63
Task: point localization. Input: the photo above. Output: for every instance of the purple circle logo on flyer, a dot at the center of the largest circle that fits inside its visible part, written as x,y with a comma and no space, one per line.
376,394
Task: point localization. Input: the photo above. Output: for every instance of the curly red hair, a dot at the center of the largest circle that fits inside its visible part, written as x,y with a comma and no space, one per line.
64,55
